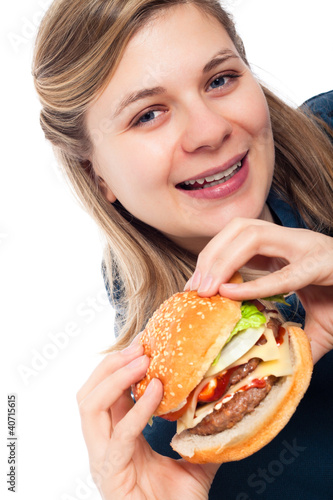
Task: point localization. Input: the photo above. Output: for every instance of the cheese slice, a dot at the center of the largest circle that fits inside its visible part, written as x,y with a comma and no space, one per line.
266,352
279,367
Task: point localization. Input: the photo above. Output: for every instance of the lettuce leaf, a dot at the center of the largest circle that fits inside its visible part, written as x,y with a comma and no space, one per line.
277,298
251,318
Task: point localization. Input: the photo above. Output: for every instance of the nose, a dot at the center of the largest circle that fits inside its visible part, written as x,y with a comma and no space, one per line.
204,128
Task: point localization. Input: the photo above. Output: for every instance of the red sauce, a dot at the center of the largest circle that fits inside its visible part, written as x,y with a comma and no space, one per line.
280,336
256,382
216,387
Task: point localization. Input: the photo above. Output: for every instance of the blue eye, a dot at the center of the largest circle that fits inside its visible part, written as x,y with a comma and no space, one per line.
147,117
223,82
218,82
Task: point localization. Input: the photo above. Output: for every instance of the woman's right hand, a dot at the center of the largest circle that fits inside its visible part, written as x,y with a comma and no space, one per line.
122,463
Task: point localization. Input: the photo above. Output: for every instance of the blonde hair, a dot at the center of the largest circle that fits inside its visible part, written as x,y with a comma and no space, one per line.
78,48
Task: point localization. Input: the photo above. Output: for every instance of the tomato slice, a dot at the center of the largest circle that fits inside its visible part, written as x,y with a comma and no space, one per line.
216,387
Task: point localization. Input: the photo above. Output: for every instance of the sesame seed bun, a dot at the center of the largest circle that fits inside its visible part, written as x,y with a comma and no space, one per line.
185,324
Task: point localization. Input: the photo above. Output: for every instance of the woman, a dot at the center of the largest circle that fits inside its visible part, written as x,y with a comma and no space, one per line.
189,166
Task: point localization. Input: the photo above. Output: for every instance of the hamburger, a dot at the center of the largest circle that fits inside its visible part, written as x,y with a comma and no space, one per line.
233,373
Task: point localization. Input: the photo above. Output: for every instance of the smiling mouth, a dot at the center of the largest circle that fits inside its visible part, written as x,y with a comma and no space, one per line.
211,180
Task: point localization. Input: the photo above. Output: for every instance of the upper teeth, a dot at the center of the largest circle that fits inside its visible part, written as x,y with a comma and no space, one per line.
216,177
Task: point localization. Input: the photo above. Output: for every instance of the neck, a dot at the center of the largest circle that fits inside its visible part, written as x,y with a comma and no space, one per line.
266,214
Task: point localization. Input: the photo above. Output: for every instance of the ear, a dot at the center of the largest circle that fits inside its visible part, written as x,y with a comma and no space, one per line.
106,191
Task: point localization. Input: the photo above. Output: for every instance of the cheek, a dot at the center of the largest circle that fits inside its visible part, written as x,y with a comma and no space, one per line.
261,125
262,131
256,114
127,167
152,156
257,123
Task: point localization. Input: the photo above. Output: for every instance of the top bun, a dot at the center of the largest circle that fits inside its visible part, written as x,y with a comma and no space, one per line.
182,339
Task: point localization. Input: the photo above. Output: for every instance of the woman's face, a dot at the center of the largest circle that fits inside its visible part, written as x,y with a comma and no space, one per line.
182,134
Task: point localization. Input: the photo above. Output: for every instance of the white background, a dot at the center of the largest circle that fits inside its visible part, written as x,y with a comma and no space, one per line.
50,251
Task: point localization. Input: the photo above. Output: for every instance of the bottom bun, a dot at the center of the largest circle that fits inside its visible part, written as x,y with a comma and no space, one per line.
258,428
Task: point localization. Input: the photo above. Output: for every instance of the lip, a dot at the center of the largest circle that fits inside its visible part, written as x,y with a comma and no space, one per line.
216,170
225,189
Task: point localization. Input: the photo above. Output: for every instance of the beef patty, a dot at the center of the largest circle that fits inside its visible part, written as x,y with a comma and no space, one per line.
242,403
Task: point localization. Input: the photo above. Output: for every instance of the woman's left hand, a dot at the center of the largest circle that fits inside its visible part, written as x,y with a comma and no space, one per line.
298,260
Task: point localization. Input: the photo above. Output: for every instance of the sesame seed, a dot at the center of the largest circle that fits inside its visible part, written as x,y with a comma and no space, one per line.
180,386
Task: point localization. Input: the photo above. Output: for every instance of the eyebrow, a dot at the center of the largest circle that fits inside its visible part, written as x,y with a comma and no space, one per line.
219,58
136,96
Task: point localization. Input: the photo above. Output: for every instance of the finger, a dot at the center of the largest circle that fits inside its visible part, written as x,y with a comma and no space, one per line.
213,248
111,363
95,407
225,237
253,241
213,251
280,245
128,430
288,279
121,407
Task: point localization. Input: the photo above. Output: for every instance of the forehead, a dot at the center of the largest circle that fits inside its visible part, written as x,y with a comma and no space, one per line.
179,40
181,32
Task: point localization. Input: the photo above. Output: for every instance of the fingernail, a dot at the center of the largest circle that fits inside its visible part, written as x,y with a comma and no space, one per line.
229,285
206,284
193,282
139,362
151,386
132,349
